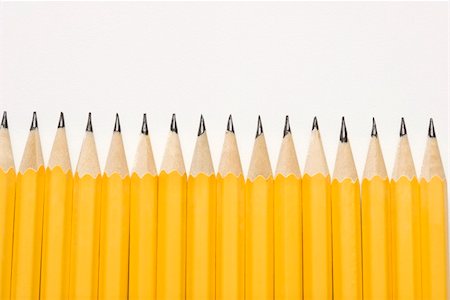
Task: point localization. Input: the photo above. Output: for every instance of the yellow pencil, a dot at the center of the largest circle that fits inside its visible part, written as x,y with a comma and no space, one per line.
230,234
346,220
317,241
114,222
84,254
376,233
201,222
259,260
7,198
288,221
171,237
405,220
28,219
143,220
434,234
57,220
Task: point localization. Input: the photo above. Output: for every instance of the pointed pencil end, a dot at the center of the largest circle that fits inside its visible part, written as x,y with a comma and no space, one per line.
402,128
61,122
144,129
287,127
374,132
315,124
230,125
34,122
343,136
431,131
173,124
117,124
4,123
259,129
201,126
89,124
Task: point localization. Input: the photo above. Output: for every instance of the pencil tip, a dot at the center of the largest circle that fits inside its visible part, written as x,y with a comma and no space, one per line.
61,123
402,128
374,132
4,123
230,126
431,131
343,136
117,124
34,122
287,127
201,126
315,124
89,124
259,129
173,124
144,129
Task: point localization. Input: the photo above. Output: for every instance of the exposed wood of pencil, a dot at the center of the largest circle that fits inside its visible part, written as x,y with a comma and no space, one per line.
230,161
59,156
404,164
88,163
316,162
57,220
345,165
287,158
144,162
202,161
7,200
116,161
432,162
6,154
375,162
32,157
259,163
173,157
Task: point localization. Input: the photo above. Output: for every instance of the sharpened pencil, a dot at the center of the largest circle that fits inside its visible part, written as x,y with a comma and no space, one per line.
259,259
7,199
30,187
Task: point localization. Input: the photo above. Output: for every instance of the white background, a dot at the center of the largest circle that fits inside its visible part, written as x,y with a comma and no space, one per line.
360,60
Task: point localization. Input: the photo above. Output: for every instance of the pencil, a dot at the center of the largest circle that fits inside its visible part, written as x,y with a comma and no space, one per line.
259,260
7,198
171,237
201,221
317,241
143,220
288,221
405,214
433,195
346,223
57,219
230,232
375,223
84,254
114,221
25,275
